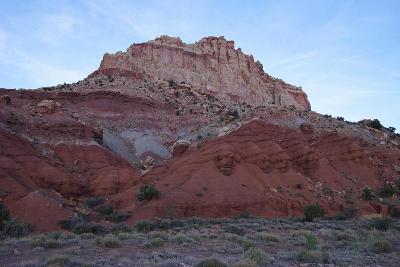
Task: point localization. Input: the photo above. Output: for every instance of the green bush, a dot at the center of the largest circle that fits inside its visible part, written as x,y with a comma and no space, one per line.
16,228
92,202
233,229
210,263
80,225
120,227
4,216
125,236
145,226
376,124
394,212
183,239
266,237
381,246
110,241
313,211
313,256
347,214
381,224
51,243
147,192
106,210
245,263
367,194
312,242
255,254
387,190
58,260
118,217
154,242
245,243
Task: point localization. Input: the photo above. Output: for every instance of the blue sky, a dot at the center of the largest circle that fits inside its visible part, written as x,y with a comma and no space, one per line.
345,54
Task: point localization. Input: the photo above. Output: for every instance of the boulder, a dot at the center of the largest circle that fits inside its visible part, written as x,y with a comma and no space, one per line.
47,106
5,100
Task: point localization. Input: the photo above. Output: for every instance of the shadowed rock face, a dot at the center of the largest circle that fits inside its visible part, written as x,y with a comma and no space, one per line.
212,65
207,152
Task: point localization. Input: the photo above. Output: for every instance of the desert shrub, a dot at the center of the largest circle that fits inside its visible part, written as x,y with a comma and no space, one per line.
51,243
109,241
106,210
255,254
312,242
162,235
245,263
4,216
233,113
367,194
381,224
79,225
313,211
147,192
37,241
67,236
381,246
394,212
120,227
233,229
125,236
145,226
340,118
87,236
154,242
266,237
89,227
182,239
391,129
245,243
348,213
313,256
210,263
14,228
376,124
118,217
171,83
92,202
387,190
58,260
244,215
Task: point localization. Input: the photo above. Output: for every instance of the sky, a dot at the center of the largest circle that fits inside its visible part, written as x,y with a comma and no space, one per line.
344,54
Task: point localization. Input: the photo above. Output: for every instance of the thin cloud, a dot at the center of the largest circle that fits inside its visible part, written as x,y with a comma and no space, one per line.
52,27
44,73
295,58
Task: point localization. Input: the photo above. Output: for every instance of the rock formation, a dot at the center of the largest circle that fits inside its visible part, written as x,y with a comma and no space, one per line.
203,123
212,65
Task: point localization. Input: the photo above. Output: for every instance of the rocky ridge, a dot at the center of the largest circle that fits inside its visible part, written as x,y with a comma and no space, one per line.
211,65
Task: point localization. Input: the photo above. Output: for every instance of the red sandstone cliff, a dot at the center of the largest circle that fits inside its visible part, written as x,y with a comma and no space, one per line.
211,65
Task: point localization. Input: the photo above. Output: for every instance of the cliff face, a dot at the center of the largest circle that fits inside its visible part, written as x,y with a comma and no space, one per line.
211,65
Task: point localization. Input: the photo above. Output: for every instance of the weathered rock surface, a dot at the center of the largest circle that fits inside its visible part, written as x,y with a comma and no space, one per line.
212,65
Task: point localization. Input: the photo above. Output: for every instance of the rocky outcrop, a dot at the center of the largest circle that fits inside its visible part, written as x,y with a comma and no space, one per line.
212,65
47,106
5,100
267,170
